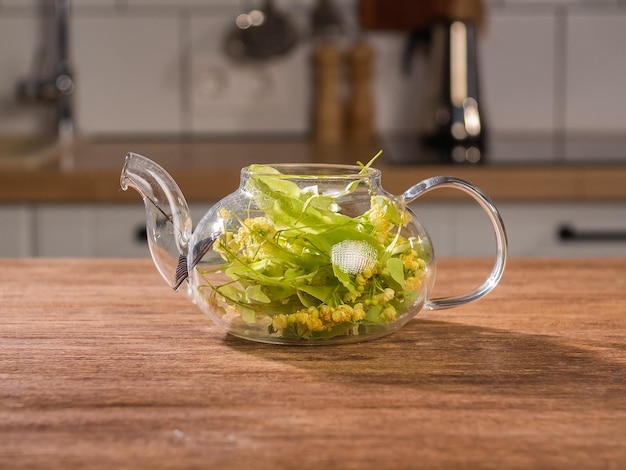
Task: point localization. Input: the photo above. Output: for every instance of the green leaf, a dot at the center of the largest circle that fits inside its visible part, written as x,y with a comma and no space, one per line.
340,329
270,176
241,272
286,204
259,266
322,203
351,231
247,314
306,299
373,314
230,292
319,292
396,271
344,278
255,293
292,273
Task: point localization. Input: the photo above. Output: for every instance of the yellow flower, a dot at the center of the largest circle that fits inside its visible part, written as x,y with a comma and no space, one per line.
405,218
342,313
389,313
314,323
410,261
306,321
279,322
413,283
255,230
225,243
326,313
224,213
359,312
385,296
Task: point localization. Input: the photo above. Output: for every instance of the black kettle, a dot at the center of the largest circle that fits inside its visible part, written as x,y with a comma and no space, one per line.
452,118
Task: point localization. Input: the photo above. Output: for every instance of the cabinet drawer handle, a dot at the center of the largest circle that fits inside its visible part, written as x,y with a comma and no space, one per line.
567,233
141,235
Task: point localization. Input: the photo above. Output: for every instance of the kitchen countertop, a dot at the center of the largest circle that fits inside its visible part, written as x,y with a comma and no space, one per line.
102,366
207,170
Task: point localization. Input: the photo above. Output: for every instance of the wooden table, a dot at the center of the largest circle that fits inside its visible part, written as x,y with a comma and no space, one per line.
102,366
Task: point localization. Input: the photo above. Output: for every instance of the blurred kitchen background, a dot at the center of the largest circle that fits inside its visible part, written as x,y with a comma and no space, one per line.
159,66
550,75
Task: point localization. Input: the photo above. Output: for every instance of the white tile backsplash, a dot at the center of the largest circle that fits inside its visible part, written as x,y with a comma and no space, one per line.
158,66
20,3
128,77
90,3
397,92
518,61
19,41
596,67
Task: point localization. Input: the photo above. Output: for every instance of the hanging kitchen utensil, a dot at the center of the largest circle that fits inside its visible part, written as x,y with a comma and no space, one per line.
261,34
326,20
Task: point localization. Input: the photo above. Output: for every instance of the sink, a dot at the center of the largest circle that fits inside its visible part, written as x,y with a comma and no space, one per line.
28,152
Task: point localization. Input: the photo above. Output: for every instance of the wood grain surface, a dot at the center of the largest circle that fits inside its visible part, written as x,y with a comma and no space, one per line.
102,366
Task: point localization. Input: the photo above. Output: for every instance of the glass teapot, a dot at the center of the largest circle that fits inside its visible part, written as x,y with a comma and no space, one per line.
302,254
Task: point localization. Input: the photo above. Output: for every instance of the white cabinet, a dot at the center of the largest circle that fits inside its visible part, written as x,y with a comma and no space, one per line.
16,231
440,222
86,230
534,230
121,229
65,230
457,229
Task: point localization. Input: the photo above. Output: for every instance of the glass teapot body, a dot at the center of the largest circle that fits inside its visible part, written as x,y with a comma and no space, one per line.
311,254
302,254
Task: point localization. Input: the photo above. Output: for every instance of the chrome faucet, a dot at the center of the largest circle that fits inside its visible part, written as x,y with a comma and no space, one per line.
54,83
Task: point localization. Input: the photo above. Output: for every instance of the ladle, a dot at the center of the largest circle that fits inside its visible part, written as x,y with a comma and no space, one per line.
261,34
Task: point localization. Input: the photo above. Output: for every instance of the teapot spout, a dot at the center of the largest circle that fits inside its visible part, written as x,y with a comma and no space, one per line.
168,222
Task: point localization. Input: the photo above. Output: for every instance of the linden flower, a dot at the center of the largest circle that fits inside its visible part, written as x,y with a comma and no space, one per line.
364,277
410,261
225,243
224,213
255,230
389,313
359,312
341,313
384,214
306,320
405,218
344,312
413,283
326,313
379,219
385,296
279,322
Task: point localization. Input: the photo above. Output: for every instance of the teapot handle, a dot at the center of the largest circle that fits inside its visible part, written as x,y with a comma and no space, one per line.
494,216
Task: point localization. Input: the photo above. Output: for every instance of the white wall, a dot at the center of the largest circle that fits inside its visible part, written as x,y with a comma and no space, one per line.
157,66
